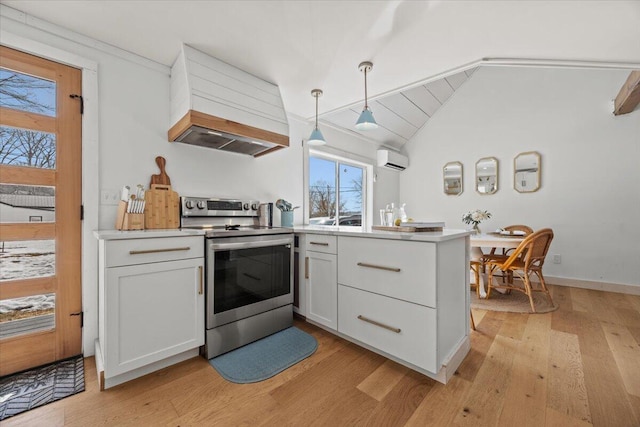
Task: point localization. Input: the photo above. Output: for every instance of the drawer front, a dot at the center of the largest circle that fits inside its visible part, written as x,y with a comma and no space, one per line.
142,251
403,270
404,330
321,243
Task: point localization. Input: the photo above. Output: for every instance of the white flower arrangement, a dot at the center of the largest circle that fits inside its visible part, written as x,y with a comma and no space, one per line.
475,217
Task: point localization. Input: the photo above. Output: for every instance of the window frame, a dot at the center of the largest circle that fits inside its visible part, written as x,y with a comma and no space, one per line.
367,183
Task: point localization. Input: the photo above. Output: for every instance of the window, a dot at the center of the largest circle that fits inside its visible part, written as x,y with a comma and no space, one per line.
336,191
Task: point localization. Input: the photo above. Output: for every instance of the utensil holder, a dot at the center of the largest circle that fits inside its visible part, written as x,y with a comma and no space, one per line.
128,221
286,218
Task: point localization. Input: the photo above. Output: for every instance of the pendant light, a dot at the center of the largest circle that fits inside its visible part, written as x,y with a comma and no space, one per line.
366,120
316,137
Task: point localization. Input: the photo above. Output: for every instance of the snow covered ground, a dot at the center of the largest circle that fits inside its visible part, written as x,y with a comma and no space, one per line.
27,259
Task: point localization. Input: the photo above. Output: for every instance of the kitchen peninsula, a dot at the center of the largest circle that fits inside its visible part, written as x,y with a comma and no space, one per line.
402,295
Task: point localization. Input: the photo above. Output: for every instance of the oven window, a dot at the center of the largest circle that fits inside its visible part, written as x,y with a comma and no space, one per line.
247,276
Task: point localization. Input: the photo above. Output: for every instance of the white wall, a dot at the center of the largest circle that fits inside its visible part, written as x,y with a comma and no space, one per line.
134,109
590,192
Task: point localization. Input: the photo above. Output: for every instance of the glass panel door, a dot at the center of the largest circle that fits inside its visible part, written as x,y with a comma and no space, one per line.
40,225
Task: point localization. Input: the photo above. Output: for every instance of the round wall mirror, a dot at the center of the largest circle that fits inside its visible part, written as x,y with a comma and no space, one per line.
452,175
487,175
526,172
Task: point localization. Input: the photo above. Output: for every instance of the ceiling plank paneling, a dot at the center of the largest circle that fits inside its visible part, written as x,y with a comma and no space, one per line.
401,114
423,99
440,89
390,120
401,105
457,80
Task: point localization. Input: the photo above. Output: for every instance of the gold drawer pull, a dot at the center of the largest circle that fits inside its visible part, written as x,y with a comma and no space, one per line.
201,289
319,243
382,325
379,267
155,251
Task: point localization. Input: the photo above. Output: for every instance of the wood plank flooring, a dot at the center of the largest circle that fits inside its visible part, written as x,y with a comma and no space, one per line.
577,366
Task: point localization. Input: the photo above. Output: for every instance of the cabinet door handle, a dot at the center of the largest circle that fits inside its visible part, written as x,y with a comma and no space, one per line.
319,243
155,251
379,267
382,325
306,267
201,288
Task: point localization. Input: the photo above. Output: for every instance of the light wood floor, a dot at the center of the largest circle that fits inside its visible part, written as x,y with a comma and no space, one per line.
577,366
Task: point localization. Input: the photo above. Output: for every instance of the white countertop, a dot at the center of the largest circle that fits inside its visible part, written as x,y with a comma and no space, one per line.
428,236
145,234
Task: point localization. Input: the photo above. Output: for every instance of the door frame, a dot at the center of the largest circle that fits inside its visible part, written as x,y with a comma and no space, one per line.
90,170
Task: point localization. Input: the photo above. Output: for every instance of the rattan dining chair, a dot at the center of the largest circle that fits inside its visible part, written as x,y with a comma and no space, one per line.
528,258
493,255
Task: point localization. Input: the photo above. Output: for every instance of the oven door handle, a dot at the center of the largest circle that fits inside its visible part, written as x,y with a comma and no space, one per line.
249,245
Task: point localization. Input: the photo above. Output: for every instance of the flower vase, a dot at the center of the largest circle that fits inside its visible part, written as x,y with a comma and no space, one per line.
476,229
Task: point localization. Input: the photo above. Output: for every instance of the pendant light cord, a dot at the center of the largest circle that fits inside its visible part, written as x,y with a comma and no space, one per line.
366,105
316,110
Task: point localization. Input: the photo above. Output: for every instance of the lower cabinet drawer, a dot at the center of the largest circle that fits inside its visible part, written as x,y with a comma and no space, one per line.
141,251
399,328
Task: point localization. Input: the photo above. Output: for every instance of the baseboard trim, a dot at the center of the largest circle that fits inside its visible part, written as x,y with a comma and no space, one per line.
597,286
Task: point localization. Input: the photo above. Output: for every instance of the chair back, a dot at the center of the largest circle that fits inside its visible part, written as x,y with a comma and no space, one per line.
532,250
538,248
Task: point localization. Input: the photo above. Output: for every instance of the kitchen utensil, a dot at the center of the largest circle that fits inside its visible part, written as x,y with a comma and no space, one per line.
163,207
162,178
280,204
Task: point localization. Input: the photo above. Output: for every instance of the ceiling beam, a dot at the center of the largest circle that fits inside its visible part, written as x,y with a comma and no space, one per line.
629,96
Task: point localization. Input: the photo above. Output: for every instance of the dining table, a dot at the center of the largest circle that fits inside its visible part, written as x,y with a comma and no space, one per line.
490,240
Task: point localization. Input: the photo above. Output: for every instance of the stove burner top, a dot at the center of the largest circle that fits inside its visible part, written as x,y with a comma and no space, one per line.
232,226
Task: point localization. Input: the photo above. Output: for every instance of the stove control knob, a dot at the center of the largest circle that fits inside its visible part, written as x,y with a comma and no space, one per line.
189,204
202,204
245,206
254,206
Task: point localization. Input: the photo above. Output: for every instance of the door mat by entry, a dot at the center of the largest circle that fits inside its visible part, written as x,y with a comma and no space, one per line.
265,358
31,389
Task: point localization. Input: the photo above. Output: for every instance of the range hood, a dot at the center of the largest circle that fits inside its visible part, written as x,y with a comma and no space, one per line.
218,106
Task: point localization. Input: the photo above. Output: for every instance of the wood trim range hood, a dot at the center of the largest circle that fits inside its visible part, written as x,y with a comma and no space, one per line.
216,105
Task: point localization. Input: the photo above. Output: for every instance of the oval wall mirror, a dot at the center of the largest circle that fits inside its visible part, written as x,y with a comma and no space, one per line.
487,175
526,172
452,175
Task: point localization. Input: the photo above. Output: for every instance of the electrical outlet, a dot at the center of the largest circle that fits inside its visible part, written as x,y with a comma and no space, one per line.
557,259
109,197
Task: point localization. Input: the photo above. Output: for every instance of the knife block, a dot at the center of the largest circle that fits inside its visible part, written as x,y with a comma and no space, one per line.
128,221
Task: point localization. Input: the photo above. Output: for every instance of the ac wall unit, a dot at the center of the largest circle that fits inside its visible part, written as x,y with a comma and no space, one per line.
392,160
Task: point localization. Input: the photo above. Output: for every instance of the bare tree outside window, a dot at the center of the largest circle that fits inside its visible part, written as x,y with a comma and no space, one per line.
322,200
26,93
22,147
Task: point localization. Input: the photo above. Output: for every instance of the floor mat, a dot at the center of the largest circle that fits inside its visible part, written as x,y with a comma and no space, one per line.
266,357
31,389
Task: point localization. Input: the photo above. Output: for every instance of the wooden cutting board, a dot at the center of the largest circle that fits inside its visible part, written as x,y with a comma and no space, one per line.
162,178
162,208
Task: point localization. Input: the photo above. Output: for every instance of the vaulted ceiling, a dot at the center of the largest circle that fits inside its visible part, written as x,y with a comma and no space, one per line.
302,45
402,114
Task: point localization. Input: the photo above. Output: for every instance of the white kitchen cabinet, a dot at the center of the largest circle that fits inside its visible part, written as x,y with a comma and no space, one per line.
151,305
399,328
406,299
321,274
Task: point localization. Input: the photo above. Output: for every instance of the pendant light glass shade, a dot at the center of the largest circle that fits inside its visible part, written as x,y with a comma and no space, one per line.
316,137
366,120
